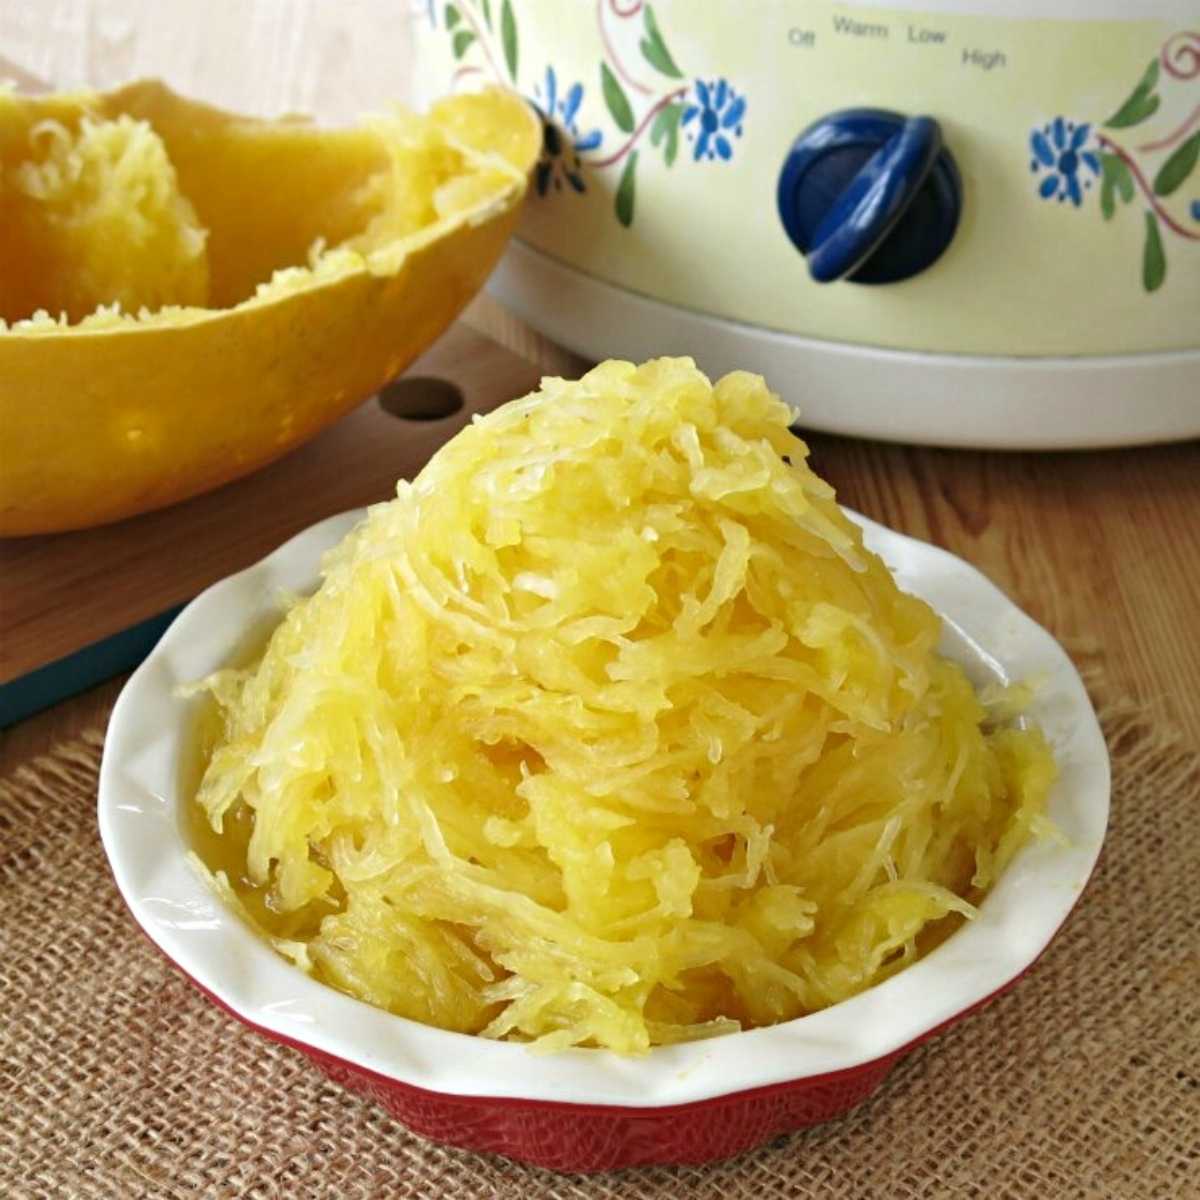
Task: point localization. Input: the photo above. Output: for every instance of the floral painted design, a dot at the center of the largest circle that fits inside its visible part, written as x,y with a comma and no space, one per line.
650,100
1069,156
563,143
717,112
1063,161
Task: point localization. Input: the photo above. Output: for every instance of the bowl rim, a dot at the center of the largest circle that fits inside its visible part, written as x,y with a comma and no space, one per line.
140,810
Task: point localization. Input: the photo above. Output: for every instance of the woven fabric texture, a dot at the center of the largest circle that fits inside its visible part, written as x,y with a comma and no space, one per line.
119,1080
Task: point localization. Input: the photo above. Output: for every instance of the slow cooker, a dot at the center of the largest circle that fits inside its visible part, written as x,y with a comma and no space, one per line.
975,223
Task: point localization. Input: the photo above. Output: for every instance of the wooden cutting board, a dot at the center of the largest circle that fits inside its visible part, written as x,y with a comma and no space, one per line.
77,608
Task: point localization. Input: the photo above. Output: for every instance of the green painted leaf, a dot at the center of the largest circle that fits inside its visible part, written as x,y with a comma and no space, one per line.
615,98
1178,167
1154,263
508,36
654,49
625,191
1115,181
452,16
1141,104
487,11
1108,204
1124,181
658,129
462,40
666,130
1145,108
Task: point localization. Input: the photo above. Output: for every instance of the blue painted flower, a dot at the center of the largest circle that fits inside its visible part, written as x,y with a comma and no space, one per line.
1063,161
714,115
562,141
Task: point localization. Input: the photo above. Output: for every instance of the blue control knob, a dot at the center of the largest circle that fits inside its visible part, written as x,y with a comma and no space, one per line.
869,195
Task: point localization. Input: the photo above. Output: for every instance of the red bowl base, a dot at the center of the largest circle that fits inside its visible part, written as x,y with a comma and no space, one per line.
585,1138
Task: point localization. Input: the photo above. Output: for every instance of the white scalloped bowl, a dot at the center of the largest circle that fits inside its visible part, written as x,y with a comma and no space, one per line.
590,1110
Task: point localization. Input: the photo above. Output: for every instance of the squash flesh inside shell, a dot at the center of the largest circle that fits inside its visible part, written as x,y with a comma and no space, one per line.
286,252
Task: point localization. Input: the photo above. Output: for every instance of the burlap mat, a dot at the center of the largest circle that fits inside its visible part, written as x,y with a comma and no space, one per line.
117,1079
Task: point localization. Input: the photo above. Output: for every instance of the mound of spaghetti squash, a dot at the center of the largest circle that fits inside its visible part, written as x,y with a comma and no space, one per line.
608,731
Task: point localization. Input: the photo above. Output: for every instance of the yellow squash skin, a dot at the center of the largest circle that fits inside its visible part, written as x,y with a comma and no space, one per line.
101,422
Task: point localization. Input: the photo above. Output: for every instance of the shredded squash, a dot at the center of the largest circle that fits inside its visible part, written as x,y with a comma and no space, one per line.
101,208
608,731
187,294
107,238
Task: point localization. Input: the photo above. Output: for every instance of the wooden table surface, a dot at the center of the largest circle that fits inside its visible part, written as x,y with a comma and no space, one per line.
1103,548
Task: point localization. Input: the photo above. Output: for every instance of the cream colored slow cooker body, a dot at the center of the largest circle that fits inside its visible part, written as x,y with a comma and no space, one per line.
1066,310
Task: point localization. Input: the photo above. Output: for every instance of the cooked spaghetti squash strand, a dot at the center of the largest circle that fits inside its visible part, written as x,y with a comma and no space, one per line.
609,731
101,222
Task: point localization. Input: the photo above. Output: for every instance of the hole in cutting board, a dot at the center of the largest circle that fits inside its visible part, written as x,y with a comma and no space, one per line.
421,398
